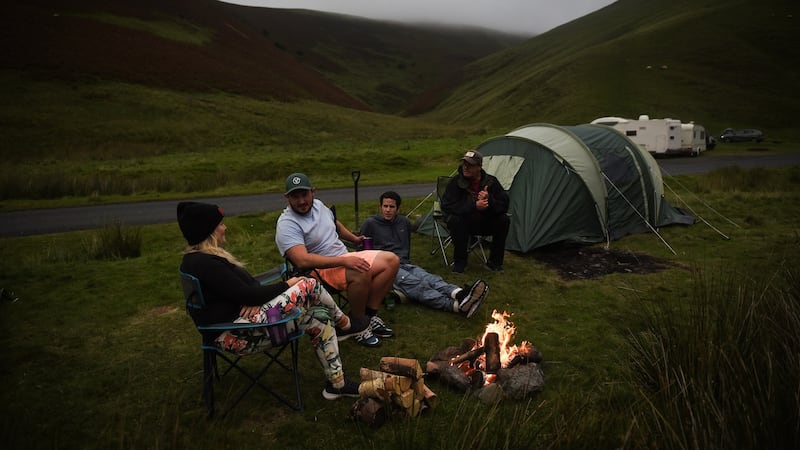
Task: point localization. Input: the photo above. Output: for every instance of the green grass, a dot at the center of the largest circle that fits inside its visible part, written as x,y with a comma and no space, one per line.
100,354
89,143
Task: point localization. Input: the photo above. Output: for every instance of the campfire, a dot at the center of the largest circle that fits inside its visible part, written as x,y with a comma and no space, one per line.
491,360
492,365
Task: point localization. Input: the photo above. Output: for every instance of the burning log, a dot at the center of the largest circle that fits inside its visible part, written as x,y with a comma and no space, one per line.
524,354
470,356
491,341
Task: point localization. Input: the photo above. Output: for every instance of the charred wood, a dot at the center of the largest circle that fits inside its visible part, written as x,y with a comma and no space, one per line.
492,344
470,355
524,354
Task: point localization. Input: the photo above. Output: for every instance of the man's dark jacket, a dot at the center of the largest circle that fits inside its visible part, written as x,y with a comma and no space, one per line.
458,199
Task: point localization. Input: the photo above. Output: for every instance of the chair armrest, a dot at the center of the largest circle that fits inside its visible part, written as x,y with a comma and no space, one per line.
273,275
223,326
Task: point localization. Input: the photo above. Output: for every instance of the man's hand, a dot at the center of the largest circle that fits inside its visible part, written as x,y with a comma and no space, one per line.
355,263
483,199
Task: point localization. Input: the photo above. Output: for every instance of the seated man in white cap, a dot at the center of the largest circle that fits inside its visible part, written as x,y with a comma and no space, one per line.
308,234
475,203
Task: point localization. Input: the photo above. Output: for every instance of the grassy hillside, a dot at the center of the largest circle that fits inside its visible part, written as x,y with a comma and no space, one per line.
161,99
717,62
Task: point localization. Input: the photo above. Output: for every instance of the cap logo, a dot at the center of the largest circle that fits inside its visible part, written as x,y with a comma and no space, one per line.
296,181
470,154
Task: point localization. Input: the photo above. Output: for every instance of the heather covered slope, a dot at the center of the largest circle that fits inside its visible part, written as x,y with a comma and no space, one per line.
177,44
262,53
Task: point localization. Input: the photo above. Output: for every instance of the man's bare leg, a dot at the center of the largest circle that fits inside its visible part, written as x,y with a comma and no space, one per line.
383,272
358,291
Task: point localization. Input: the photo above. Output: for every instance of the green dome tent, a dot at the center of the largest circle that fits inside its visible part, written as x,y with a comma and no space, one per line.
583,184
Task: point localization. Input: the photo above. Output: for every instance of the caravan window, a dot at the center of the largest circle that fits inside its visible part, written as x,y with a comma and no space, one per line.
630,133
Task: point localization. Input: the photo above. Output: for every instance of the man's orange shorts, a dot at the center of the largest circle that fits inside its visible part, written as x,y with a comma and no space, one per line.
336,277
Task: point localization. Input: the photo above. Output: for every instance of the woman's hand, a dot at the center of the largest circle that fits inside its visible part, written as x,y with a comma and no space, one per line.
249,311
294,280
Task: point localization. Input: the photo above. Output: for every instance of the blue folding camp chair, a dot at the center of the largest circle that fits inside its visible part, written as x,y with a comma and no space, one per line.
212,352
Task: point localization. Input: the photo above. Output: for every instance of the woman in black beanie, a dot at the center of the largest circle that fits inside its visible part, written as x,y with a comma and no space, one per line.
232,294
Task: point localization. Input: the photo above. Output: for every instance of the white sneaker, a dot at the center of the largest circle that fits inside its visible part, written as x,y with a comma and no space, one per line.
474,299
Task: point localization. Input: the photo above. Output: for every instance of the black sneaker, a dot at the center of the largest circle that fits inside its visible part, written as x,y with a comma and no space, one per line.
379,327
459,266
476,295
350,389
362,333
494,267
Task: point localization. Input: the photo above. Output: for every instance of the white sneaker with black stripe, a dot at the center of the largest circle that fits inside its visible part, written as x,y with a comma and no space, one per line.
474,299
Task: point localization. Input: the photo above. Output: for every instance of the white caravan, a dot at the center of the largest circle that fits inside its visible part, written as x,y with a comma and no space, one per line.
657,136
693,138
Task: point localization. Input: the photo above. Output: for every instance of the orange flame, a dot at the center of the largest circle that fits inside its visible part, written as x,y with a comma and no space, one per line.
505,330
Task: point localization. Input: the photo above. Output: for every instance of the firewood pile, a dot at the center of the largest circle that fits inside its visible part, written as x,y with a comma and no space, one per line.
508,371
397,389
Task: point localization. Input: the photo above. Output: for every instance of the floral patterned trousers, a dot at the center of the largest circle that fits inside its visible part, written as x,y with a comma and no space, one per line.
319,315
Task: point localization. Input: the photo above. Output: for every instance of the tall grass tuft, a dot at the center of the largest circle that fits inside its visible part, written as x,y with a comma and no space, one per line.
114,242
721,369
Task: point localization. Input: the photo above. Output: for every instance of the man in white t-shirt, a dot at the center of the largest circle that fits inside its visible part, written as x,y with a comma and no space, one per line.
308,234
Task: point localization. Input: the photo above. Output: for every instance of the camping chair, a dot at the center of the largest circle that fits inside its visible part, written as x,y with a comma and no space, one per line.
195,301
440,232
291,270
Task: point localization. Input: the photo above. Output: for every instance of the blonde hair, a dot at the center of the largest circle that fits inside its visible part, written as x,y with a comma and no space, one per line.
211,247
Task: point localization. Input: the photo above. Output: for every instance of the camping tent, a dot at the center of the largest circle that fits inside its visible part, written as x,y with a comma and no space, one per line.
585,183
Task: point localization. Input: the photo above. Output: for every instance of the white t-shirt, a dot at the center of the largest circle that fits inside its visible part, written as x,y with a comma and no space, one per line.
316,230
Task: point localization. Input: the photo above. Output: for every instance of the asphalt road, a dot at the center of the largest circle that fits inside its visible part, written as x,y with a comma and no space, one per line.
57,220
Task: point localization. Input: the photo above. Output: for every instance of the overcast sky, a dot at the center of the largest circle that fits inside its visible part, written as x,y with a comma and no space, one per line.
519,16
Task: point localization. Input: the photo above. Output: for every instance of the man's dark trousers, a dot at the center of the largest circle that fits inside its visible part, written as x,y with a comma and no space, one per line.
461,228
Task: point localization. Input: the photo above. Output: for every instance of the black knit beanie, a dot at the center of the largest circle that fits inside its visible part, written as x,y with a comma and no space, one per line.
198,220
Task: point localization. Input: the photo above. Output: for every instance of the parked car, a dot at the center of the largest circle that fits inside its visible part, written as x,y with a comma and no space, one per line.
745,135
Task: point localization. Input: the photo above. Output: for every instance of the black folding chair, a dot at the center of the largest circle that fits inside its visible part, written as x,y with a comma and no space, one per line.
212,352
440,231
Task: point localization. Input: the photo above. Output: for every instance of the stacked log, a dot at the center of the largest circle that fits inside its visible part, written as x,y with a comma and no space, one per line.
397,388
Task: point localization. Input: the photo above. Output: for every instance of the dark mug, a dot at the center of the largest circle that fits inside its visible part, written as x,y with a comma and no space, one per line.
367,243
